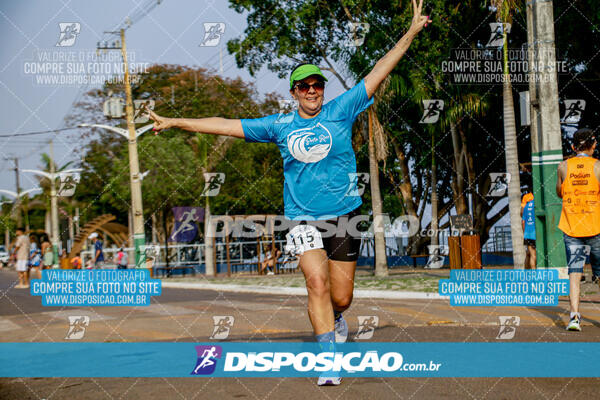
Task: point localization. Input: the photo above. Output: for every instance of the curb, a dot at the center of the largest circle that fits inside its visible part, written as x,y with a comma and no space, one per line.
281,290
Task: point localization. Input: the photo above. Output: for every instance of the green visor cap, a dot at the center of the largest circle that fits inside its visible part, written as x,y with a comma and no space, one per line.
304,71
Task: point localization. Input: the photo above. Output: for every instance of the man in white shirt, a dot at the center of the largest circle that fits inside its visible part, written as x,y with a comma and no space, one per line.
21,254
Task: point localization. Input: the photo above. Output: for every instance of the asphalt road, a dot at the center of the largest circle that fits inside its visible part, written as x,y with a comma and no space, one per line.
185,315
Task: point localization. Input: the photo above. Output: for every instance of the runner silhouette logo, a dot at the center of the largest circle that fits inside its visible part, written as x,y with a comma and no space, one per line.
185,227
436,256
431,112
212,34
286,111
573,111
212,183
358,183
578,255
207,359
499,184
68,33
497,34
508,327
366,326
67,184
222,326
77,325
356,33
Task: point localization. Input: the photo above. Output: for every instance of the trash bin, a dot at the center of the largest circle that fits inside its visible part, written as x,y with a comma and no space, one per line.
454,252
150,266
470,251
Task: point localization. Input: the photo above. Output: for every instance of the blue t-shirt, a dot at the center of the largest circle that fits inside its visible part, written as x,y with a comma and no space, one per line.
319,165
529,218
98,246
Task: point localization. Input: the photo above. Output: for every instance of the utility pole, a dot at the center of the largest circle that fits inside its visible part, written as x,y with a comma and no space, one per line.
18,208
76,220
221,60
139,237
209,239
53,205
140,246
546,138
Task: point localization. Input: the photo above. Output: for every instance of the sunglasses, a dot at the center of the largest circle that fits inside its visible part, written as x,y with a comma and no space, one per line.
304,87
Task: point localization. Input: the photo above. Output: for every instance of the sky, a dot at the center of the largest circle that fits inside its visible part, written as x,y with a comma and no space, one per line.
171,33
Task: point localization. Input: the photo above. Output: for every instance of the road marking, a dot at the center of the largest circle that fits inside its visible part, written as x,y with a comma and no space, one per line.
8,325
263,330
420,315
440,322
65,314
165,309
301,291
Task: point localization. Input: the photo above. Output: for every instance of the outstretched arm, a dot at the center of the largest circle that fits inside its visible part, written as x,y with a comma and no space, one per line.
387,63
213,125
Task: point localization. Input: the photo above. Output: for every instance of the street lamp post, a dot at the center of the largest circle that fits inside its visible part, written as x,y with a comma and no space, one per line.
53,201
131,134
16,196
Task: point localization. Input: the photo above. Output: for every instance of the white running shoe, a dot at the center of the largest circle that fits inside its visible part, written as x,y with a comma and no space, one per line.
332,381
341,330
574,324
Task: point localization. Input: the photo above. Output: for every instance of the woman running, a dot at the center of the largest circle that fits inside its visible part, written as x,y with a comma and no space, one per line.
315,142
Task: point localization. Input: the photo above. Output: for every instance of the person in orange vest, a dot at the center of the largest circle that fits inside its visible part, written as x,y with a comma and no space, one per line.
578,184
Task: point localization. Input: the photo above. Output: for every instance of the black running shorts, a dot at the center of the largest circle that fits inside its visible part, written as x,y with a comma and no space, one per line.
339,247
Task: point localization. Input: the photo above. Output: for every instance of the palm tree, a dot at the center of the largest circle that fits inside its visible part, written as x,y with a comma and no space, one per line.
459,105
381,267
504,13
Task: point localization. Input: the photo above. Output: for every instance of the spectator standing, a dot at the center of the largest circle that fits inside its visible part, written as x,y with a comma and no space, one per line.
98,258
47,254
121,259
528,223
21,253
35,258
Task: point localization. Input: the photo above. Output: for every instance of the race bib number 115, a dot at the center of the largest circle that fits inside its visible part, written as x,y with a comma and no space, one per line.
302,238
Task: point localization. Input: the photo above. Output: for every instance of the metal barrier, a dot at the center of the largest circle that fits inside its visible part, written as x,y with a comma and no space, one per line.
500,240
192,254
252,252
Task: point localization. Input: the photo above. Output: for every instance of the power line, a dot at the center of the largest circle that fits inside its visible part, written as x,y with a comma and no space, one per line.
37,132
138,13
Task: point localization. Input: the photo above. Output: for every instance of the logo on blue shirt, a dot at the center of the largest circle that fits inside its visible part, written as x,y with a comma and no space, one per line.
311,144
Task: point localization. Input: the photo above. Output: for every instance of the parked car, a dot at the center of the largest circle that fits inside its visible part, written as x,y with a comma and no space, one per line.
4,256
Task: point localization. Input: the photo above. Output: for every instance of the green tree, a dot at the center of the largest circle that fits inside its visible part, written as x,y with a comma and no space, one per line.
175,160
